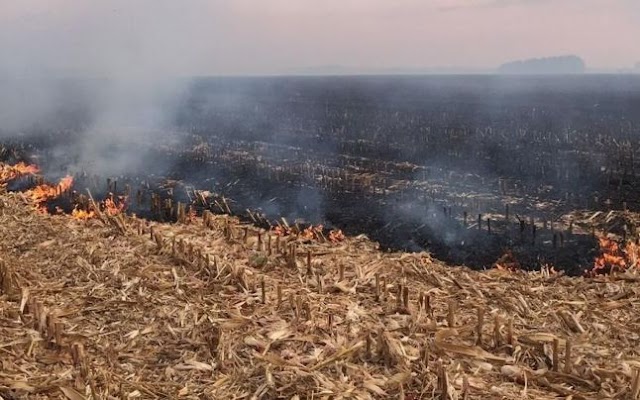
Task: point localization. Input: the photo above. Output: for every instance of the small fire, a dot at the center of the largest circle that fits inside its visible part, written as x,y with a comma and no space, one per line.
336,236
281,231
313,232
82,215
45,192
508,262
112,207
11,172
614,258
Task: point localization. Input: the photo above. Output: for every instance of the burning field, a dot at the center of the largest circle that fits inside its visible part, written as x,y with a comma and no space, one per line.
330,258
113,306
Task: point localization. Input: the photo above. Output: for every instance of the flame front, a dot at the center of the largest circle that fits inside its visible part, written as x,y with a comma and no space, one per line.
111,206
11,172
46,192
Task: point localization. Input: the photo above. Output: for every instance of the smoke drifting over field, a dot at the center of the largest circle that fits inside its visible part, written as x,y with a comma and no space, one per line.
109,83
400,158
111,71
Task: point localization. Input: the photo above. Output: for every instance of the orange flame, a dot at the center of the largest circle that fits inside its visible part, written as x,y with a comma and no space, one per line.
281,231
112,208
82,215
10,172
313,232
46,192
109,206
507,262
612,257
336,236
43,193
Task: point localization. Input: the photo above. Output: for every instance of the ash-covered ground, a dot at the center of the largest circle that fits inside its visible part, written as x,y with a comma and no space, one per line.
467,167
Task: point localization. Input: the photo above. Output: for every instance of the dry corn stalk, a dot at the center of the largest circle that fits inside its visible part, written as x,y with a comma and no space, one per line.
7,279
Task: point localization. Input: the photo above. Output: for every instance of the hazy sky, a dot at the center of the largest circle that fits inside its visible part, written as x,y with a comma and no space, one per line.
138,37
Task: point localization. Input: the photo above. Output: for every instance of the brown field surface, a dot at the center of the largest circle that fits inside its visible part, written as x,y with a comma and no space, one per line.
115,308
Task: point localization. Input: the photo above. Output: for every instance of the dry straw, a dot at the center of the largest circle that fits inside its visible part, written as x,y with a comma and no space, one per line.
108,308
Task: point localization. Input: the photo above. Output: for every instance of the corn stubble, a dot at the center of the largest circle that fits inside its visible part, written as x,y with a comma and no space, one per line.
213,308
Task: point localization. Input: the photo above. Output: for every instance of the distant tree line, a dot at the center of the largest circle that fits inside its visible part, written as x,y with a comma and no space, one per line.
550,65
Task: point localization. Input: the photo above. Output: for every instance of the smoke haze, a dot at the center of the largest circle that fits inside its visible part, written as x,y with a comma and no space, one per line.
136,55
116,69
119,71
198,37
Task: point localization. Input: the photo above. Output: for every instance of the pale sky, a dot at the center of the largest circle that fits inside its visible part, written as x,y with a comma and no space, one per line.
140,37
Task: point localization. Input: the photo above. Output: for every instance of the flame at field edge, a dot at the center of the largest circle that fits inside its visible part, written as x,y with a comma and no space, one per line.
614,257
11,172
46,192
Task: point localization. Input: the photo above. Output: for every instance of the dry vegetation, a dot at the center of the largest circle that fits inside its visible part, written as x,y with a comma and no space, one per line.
115,307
